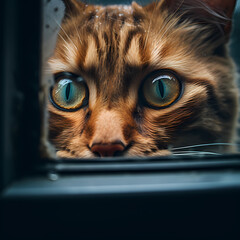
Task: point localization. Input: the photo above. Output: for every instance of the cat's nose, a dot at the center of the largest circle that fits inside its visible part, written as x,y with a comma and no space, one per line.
107,150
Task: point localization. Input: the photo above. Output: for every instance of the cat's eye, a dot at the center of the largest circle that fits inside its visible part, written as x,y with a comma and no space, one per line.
69,93
161,89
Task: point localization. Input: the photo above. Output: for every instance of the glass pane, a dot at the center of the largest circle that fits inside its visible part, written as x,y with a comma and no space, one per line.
140,79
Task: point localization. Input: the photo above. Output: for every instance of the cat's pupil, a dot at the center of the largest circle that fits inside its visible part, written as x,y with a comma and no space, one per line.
161,89
68,90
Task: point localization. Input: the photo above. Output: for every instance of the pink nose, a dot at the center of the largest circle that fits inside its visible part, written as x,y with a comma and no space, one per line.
107,150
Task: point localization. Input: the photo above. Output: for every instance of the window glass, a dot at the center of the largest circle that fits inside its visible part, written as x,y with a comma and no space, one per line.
140,79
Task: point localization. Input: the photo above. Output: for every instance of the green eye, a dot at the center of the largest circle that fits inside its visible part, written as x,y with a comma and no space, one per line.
161,89
69,92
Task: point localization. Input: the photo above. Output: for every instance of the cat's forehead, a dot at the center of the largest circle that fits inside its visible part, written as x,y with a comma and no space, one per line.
113,9
102,38
106,13
116,42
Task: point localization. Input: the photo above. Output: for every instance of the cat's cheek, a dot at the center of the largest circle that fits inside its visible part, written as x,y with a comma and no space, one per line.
161,153
63,154
75,154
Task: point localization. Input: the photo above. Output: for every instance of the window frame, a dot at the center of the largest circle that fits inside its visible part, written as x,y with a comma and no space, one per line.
96,199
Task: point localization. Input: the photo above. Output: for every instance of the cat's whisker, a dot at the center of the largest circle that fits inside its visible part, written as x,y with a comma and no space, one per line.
170,17
205,7
63,39
66,46
203,145
66,35
80,40
173,23
196,152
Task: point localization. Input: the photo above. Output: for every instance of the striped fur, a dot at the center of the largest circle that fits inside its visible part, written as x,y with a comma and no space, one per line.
115,47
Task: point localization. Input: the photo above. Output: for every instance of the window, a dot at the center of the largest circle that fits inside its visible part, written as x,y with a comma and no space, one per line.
169,108
156,198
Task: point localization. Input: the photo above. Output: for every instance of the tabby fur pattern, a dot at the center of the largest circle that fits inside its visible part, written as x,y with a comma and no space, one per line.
115,47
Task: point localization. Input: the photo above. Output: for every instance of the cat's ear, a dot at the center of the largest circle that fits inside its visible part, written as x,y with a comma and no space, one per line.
73,7
215,13
224,7
207,10
136,6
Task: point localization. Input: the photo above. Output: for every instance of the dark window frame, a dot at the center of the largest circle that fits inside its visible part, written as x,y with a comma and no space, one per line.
96,199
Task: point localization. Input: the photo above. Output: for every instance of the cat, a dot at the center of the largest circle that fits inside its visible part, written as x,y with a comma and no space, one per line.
135,80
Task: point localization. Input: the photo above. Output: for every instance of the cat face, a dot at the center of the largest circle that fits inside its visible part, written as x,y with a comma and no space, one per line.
135,81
